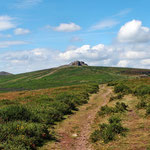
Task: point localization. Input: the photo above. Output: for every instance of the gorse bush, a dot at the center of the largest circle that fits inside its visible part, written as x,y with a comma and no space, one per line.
117,97
119,107
141,104
121,88
105,110
16,112
24,134
108,132
142,90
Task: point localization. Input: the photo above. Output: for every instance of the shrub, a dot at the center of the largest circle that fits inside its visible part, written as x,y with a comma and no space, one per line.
121,88
111,84
119,96
92,88
95,136
119,107
16,112
141,104
105,110
68,99
108,132
142,90
23,134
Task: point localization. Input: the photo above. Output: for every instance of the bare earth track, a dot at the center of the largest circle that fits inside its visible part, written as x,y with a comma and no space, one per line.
74,132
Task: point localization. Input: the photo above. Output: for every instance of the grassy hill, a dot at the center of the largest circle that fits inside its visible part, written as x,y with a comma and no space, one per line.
65,76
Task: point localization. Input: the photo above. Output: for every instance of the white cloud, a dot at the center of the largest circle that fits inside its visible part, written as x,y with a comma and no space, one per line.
134,55
5,44
134,32
86,52
27,3
123,63
29,60
21,31
121,55
108,23
64,27
6,23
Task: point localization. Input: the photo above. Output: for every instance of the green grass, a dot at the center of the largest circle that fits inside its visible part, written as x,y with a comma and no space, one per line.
57,77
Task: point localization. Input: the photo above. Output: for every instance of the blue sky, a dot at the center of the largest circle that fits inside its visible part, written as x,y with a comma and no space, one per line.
39,34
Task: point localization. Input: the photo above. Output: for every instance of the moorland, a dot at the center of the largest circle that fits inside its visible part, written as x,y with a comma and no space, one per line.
75,107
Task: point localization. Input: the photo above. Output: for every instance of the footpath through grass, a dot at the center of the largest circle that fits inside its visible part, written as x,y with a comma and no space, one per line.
73,133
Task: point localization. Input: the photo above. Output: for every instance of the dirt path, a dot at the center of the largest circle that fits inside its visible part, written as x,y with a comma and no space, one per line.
74,132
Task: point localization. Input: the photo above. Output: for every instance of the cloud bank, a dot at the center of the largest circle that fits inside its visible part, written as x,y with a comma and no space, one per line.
132,49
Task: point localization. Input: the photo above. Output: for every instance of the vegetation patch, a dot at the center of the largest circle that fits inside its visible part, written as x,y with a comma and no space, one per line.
117,97
118,108
27,125
109,132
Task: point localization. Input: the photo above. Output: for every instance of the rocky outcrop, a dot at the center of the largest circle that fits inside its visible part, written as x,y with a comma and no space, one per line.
3,73
78,63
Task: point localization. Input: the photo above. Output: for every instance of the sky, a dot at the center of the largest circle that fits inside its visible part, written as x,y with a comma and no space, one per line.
41,34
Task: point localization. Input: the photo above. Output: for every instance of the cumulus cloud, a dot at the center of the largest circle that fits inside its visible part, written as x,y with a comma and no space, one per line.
66,27
5,44
29,60
134,32
109,23
98,55
123,63
6,23
86,52
21,31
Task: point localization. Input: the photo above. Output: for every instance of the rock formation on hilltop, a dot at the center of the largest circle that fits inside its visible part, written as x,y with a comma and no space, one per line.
78,63
3,73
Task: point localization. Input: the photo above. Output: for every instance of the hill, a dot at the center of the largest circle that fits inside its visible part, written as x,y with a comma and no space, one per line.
65,76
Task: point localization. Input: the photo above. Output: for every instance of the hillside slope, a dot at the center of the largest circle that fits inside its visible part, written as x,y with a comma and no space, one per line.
65,76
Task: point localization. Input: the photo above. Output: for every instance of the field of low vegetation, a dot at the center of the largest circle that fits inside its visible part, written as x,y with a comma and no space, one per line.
31,104
124,122
26,122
